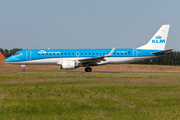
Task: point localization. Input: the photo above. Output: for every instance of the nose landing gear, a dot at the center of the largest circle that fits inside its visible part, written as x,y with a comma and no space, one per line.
88,69
23,68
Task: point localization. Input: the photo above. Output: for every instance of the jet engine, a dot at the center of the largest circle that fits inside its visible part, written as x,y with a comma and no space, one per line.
69,65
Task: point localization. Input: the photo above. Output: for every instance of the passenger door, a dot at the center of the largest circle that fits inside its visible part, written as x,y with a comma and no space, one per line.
28,55
135,53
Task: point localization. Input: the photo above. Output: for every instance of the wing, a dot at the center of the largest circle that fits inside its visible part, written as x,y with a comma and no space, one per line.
95,59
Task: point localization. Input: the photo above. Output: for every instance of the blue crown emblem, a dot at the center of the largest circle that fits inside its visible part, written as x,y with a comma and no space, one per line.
158,37
158,40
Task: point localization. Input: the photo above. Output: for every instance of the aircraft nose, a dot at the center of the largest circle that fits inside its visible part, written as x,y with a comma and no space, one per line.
8,60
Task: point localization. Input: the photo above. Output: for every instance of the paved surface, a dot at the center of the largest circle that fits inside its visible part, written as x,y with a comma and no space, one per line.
86,72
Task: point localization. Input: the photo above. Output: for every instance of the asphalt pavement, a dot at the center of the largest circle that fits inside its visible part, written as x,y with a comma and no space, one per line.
61,72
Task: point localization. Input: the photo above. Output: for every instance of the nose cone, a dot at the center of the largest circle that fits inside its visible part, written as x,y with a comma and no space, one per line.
7,60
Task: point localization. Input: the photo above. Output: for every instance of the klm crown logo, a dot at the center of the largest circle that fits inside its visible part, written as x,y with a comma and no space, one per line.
42,51
158,37
158,40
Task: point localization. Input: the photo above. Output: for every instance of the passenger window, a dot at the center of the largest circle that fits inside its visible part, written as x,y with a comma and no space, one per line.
114,53
73,53
96,53
61,53
54,53
118,53
125,53
89,53
85,53
103,53
65,53
57,53
50,53
39,54
121,53
42,53
69,53
81,53
46,53
77,53
100,53
93,53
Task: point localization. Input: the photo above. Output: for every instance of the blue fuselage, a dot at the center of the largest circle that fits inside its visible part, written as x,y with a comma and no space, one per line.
41,54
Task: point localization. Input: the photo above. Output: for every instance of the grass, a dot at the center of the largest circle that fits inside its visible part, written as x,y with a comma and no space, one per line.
89,96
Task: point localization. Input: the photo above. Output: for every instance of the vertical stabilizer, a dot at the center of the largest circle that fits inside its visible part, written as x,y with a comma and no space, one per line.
2,57
158,41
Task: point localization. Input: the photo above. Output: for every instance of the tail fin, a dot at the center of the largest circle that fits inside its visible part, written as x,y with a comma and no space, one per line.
2,57
158,41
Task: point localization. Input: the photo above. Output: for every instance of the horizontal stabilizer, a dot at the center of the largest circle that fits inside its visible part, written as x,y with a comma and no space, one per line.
164,51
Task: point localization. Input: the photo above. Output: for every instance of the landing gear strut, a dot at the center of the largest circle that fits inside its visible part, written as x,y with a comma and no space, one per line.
23,68
88,69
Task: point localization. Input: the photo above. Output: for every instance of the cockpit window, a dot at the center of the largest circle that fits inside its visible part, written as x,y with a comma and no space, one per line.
17,54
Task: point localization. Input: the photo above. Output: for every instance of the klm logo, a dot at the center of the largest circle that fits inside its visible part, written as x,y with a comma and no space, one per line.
42,51
158,40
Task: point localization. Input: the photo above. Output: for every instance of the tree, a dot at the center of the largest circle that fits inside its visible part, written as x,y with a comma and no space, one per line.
7,53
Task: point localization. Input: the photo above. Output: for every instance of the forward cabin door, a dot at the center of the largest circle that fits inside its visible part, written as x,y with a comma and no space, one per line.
135,53
28,55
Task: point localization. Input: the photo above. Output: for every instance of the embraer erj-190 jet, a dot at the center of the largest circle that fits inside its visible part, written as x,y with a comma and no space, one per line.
74,58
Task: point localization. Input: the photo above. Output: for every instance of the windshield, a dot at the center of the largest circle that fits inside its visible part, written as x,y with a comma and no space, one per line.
17,54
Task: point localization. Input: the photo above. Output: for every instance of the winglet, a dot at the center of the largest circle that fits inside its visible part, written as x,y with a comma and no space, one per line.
109,54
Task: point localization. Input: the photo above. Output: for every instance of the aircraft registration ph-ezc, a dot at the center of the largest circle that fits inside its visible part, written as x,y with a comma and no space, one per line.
74,58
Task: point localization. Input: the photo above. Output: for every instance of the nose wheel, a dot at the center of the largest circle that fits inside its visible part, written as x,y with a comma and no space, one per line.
88,69
23,68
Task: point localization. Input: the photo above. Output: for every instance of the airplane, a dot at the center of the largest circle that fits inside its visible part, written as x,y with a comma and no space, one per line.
74,58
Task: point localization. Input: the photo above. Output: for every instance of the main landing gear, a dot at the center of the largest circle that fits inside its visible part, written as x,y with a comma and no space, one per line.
23,68
88,69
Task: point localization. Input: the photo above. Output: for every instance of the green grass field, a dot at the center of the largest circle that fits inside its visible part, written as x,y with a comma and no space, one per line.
89,96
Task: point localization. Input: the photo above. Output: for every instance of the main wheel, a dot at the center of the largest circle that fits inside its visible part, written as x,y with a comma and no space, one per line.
88,69
24,70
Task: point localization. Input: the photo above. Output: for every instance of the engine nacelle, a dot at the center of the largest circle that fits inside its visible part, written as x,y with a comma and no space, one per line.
69,65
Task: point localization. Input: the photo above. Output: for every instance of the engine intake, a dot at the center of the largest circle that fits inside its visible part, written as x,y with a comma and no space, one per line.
69,65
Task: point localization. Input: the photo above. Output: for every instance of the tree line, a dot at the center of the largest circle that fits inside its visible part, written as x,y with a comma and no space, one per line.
171,59
7,53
